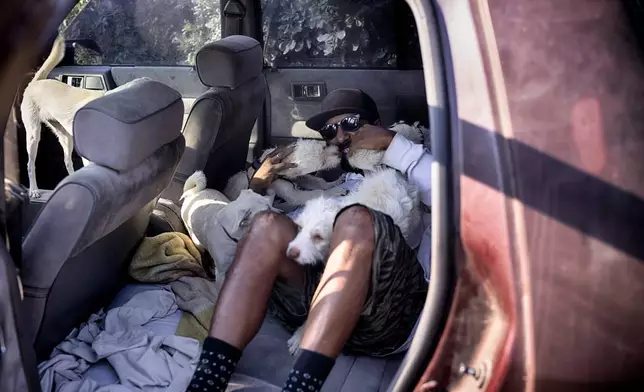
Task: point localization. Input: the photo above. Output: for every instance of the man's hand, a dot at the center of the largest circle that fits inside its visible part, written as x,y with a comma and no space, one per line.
371,137
271,168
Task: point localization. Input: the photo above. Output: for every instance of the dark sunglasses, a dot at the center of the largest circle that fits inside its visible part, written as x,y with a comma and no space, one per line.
349,124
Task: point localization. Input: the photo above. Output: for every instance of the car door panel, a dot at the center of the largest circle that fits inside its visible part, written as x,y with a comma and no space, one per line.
183,79
67,74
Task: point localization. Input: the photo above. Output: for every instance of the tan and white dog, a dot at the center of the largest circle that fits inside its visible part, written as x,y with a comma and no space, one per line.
55,104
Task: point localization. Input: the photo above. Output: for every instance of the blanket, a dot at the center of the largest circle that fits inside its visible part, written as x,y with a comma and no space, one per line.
166,258
173,258
141,360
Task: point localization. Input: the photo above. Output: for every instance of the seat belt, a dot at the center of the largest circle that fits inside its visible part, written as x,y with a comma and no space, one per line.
234,13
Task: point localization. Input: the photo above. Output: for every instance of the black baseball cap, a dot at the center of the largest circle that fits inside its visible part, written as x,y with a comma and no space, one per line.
345,100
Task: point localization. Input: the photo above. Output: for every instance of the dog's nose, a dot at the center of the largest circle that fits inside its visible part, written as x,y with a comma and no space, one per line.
293,253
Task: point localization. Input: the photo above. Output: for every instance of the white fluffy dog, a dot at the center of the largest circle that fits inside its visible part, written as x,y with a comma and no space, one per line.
370,160
216,223
295,186
385,190
315,222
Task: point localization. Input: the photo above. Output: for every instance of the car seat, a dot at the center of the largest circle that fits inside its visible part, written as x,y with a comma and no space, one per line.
221,120
76,252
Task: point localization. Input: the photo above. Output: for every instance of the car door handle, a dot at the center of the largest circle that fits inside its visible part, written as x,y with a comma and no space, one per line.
88,82
308,91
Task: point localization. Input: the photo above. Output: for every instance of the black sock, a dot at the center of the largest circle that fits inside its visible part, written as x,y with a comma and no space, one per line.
309,372
216,364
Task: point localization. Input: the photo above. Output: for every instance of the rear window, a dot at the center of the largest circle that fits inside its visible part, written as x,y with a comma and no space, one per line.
141,32
339,34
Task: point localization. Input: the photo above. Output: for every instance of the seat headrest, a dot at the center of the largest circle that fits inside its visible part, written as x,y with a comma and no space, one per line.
127,125
229,62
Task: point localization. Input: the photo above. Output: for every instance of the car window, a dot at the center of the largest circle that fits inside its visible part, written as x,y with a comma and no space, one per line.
141,32
339,34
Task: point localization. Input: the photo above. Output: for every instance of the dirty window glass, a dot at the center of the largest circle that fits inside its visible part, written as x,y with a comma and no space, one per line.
141,32
339,34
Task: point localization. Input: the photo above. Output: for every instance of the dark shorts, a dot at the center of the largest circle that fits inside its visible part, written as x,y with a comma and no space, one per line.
394,303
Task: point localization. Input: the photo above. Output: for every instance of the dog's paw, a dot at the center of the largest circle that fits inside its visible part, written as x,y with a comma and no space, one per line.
336,192
294,342
34,193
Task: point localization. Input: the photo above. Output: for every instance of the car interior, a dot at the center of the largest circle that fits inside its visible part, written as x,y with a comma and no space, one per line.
215,110
537,192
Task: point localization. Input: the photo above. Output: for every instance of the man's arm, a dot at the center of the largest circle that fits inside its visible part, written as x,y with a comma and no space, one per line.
414,161
270,169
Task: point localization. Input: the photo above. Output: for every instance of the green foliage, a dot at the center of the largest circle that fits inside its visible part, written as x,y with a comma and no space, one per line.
144,32
205,27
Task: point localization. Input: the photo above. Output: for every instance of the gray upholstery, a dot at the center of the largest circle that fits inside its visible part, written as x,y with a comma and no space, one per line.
267,359
229,62
266,362
221,120
76,252
120,130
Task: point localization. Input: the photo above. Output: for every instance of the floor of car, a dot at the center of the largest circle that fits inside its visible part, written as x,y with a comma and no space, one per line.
266,362
267,358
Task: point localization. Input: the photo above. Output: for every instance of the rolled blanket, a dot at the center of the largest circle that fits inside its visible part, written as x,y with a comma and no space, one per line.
173,258
166,258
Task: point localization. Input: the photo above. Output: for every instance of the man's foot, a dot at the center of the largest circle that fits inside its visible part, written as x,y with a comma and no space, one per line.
309,372
216,365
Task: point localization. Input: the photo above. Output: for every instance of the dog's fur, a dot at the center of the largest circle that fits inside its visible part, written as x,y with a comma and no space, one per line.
370,160
315,221
216,223
386,191
295,186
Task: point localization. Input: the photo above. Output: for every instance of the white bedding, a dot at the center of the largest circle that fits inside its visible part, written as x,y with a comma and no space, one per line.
130,347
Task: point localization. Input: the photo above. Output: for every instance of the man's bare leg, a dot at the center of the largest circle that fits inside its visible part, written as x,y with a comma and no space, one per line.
259,261
240,308
336,307
343,289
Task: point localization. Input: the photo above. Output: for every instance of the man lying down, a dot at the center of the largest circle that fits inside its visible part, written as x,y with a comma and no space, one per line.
366,299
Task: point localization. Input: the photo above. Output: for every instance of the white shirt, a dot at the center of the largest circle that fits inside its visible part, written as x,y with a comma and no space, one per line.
415,162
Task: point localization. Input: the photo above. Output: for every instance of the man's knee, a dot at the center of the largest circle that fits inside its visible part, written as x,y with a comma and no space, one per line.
272,225
354,221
